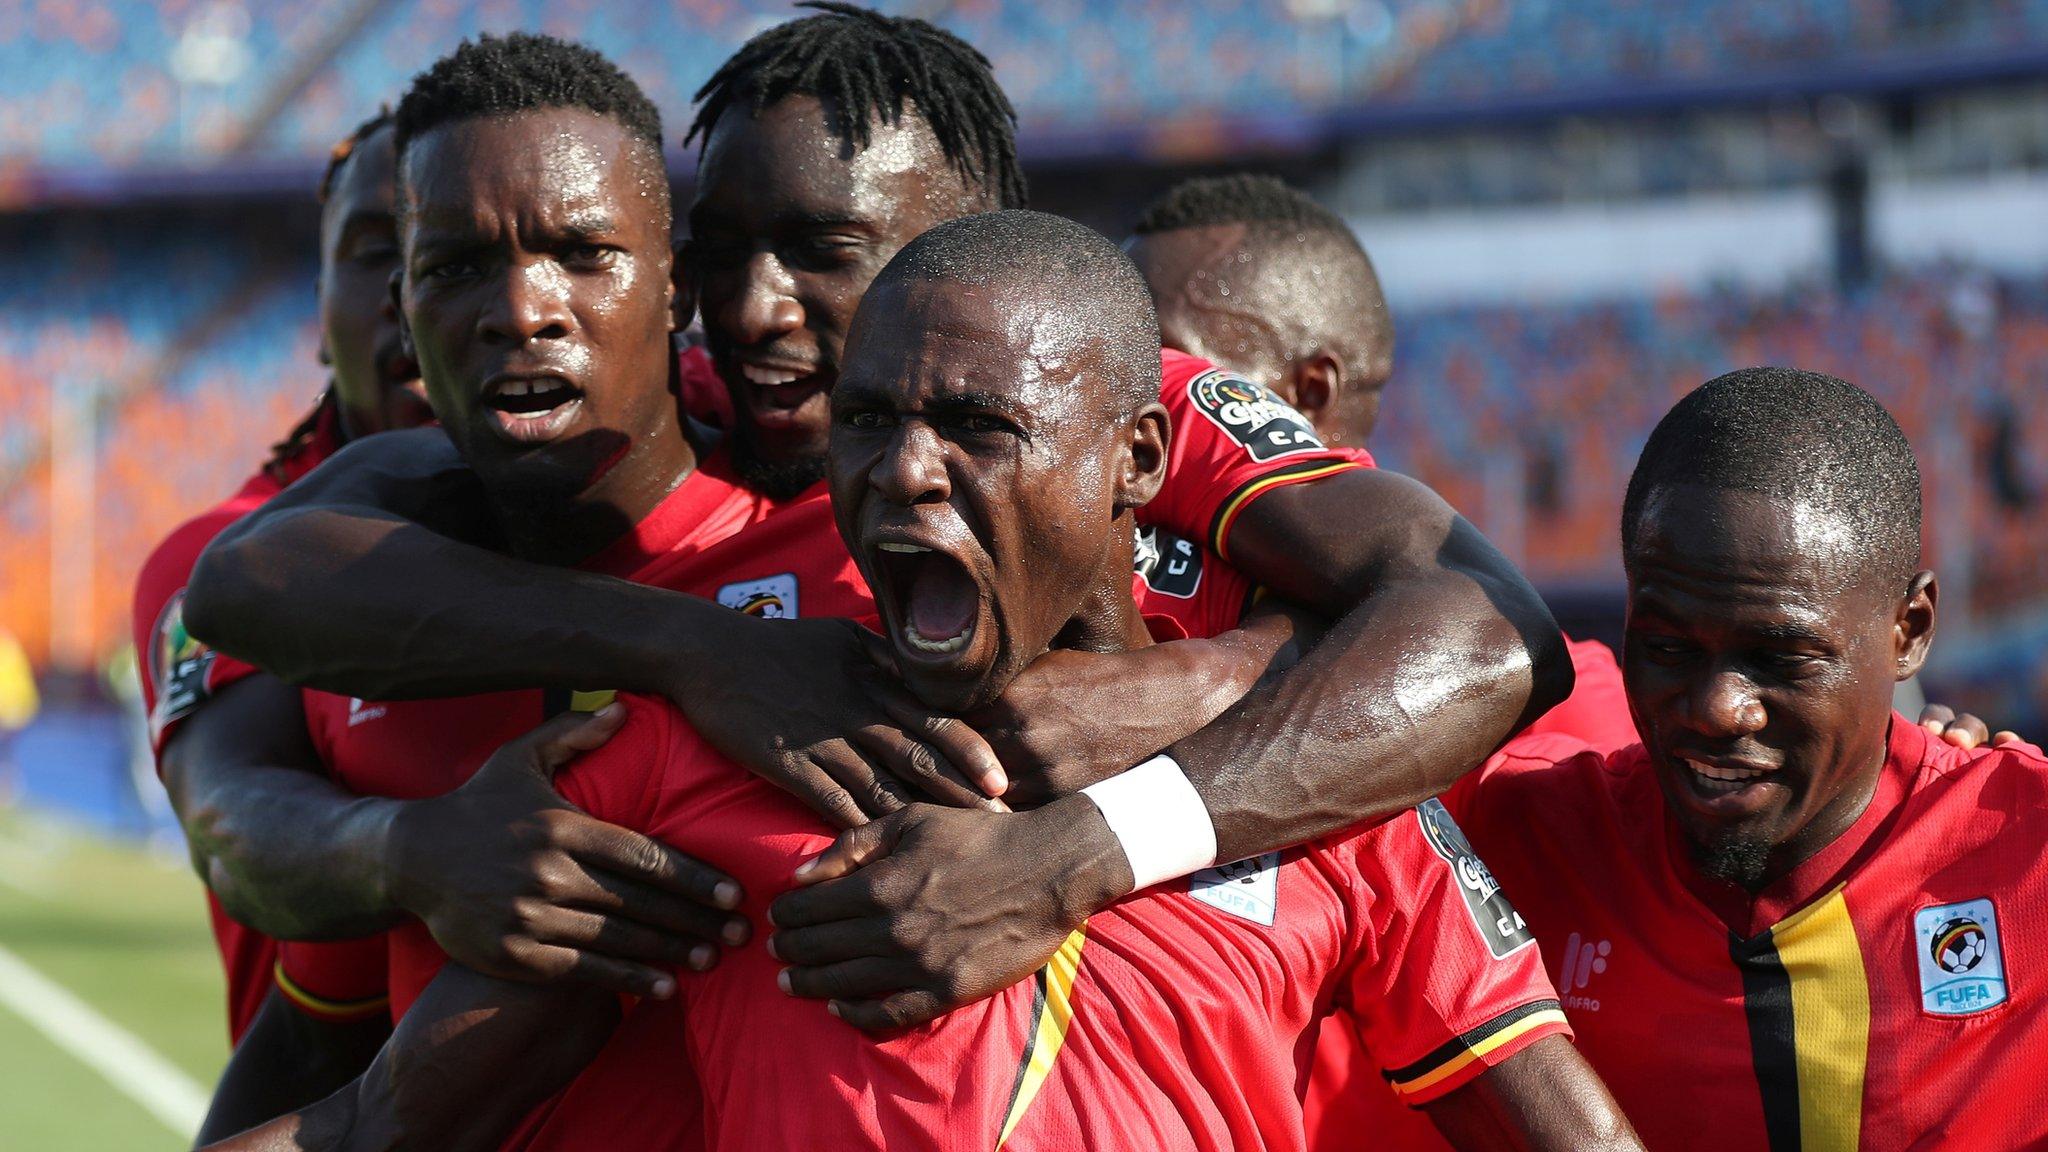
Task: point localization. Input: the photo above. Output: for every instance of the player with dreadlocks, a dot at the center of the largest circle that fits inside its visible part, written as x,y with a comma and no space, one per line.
231,741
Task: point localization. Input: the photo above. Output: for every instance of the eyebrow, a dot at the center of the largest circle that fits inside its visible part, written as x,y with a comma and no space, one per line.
974,398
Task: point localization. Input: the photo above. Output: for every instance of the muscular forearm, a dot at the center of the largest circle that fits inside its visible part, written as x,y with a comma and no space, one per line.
288,1061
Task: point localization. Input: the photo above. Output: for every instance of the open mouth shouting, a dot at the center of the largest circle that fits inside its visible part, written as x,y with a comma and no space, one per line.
781,395
532,409
932,606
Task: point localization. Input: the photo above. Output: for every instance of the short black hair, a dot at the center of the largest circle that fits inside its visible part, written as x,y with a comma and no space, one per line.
522,72
338,156
865,65
1306,253
1074,266
1795,436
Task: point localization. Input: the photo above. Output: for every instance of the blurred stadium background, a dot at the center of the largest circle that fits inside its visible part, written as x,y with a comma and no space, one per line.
1580,210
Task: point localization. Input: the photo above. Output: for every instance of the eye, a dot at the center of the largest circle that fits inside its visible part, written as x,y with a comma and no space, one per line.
981,424
1665,648
867,420
449,270
1783,662
590,256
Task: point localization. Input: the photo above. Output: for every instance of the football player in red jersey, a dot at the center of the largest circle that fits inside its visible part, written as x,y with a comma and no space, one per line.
1250,272
262,823
799,203
1791,918
996,429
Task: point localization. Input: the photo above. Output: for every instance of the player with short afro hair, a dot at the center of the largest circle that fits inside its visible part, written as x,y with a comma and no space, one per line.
1797,437
524,72
1253,273
863,66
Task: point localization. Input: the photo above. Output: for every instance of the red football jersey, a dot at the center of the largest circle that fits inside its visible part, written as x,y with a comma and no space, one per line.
1886,994
1175,1020
179,674
710,538
1596,713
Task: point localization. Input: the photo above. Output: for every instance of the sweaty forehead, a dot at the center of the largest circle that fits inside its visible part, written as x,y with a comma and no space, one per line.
1736,546
790,150
999,337
556,164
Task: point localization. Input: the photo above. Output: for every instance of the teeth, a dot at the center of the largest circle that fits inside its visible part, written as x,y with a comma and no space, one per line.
768,376
516,388
905,549
936,647
1723,780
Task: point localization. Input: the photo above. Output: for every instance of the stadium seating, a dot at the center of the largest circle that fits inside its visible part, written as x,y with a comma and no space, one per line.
125,82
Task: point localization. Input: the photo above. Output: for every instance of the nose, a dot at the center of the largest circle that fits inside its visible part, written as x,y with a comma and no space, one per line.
912,470
1725,704
765,306
534,305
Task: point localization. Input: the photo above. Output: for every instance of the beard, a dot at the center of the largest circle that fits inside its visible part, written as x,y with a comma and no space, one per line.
1737,858
776,479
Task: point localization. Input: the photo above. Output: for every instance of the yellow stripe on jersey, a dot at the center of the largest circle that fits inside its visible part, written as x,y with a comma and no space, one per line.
327,1009
1455,1057
1830,1021
1219,532
591,701
1055,1012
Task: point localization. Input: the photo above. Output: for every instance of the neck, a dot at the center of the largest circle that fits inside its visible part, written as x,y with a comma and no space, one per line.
1828,825
1108,619
563,531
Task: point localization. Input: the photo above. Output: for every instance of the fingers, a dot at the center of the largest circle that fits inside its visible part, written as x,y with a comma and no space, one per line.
627,903
855,849
629,856
610,938
1967,731
873,791
562,738
548,963
822,903
1935,717
902,1010
959,746
867,978
2005,736
916,763
821,793
825,944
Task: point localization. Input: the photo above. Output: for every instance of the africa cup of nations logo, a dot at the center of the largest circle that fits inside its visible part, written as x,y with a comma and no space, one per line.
1252,415
1962,968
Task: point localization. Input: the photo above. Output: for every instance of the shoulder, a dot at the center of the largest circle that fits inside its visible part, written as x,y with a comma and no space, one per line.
2011,780
169,565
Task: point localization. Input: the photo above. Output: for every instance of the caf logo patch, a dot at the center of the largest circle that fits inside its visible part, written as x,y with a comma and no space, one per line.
1499,924
1962,967
771,598
1252,415
1168,564
178,667
1247,889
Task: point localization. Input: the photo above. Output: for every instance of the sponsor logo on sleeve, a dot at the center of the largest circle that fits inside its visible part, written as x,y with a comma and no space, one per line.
1499,924
1168,564
1248,889
1962,966
1581,960
1267,426
178,666
771,598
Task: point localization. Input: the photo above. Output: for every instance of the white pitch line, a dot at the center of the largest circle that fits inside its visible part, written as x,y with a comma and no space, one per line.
115,1053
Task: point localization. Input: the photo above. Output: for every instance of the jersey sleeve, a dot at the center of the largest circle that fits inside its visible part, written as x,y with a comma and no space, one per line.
179,673
1597,710
1448,981
1233,441
336,980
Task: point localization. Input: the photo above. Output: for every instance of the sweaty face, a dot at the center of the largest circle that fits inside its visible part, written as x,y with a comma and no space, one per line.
788,229
537,293
1760,660
375,380
977,471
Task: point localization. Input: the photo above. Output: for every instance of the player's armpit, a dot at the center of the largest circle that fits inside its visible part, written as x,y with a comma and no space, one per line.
286,1061
1543,1098
286,851
1440,650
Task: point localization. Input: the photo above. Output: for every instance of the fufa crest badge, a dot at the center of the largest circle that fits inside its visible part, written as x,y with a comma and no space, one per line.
1247,889
771,598
1962,965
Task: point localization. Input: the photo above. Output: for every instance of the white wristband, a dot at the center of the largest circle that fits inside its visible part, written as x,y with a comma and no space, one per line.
1159,819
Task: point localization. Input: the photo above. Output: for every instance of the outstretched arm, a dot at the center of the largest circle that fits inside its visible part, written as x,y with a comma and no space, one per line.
471,1058
374,576
1542,1098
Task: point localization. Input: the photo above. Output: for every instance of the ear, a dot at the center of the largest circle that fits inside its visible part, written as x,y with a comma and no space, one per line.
1316,380
1913,625
396,294
1144,465
682,295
